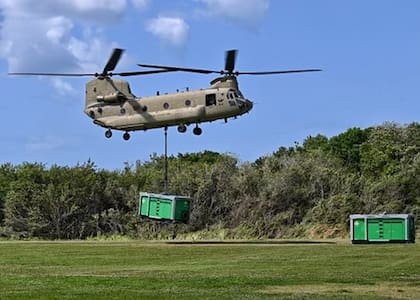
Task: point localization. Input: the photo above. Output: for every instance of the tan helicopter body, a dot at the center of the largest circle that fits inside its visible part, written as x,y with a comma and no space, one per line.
112,105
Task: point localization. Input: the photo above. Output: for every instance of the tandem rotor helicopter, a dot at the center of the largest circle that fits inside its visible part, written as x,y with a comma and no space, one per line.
110,103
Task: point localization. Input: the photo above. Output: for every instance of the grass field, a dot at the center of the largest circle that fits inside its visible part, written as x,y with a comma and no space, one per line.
141,270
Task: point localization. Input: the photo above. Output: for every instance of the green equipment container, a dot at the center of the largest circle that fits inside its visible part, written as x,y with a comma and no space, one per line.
386,228
165,207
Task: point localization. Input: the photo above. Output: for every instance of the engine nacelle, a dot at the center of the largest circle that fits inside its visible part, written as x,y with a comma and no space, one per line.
107,90
112,98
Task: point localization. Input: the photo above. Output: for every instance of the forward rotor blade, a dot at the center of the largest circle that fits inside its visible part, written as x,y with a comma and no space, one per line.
276,72
55,74
113,61
140,72
171,68
205,71
230,60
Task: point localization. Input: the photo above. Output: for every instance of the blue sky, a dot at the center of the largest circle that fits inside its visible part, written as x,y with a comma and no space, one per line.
369,51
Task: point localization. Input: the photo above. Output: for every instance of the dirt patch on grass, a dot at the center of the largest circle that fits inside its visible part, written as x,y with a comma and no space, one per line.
328,289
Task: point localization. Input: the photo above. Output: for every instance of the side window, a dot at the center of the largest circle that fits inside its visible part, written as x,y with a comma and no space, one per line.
210,99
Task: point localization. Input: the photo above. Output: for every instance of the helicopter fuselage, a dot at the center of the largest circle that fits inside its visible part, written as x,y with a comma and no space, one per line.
111,105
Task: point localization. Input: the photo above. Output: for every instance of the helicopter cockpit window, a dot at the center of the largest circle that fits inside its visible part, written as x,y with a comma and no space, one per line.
232,94
210,99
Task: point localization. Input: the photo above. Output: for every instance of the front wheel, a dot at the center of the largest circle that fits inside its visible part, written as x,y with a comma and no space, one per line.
126,136
182,128
108,133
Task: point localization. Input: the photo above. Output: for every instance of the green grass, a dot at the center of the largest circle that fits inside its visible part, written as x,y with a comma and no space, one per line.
141,270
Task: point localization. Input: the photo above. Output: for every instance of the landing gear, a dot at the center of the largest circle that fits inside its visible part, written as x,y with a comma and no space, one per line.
126,136
197,130
108,133
182,128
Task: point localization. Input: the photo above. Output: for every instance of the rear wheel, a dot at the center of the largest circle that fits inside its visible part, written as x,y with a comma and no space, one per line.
197,131
126,136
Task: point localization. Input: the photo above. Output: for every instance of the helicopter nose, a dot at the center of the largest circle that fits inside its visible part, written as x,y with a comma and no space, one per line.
244,105
248,104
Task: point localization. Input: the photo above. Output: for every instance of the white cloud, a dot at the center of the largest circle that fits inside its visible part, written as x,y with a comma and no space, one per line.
106,5
94,12
141,4
57,35
63,87
171,30
36,44
245,12
58,28
90,52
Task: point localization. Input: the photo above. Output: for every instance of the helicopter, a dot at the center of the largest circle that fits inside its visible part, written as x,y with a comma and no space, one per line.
111,104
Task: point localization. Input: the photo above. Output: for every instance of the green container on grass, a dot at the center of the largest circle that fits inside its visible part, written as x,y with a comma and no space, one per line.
165,207
385,228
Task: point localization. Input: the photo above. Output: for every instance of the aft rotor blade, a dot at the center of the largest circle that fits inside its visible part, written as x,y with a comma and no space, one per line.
55,74
95,74
113,61
230,60
171,68
276,72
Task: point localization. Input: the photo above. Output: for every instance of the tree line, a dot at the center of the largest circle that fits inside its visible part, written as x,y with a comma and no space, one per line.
294,191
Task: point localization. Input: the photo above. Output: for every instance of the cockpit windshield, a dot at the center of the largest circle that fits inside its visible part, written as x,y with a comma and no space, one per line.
235,98
232,94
